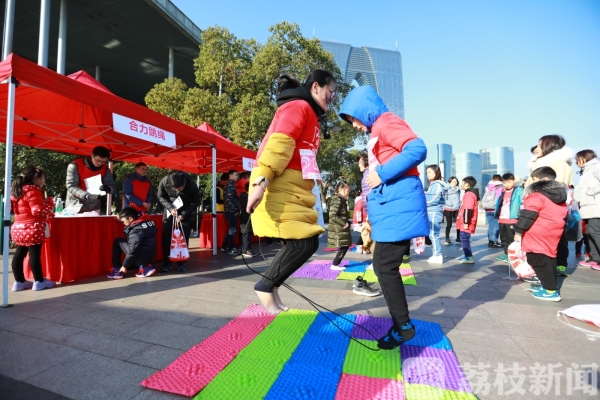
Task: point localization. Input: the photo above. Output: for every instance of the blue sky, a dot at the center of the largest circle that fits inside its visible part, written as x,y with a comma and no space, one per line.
477,74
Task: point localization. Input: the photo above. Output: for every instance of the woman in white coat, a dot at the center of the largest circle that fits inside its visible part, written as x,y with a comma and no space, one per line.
589,202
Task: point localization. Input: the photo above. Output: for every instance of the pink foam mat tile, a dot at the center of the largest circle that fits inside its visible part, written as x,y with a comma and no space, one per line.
433,367
193,370
363,387
406,272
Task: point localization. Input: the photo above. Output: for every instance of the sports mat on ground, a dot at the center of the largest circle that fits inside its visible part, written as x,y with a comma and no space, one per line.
320,269
301,354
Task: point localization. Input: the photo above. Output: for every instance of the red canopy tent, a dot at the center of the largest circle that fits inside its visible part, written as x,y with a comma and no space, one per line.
74,114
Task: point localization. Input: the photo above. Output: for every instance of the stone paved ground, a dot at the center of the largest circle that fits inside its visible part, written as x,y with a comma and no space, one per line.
97,339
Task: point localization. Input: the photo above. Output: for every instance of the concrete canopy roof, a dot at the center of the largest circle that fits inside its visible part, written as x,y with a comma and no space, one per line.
128,39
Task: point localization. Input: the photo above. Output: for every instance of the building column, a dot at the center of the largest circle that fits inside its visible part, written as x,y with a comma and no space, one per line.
171,62
62,38
44,33
97,73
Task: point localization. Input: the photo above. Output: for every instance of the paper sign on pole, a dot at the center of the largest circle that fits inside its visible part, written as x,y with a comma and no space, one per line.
247,163
142,130
93,184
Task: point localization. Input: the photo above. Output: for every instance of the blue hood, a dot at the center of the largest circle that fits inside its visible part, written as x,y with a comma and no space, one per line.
364,104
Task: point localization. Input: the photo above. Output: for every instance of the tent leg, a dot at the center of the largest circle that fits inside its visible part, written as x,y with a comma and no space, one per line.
10,120
214,199
109,197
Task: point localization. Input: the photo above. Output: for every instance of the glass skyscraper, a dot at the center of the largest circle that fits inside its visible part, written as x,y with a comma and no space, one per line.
441,155
381,69
497,160
467,164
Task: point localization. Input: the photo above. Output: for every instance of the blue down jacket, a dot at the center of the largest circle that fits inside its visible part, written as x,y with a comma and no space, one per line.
397,208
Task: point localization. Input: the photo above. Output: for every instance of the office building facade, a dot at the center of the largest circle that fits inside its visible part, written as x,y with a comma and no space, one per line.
381,69
496,160
467,164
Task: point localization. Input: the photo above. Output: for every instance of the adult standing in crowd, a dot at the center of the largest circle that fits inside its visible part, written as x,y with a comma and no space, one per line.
83,168
589,203
179,196
281,193
551,151
137,189
451,207
231,207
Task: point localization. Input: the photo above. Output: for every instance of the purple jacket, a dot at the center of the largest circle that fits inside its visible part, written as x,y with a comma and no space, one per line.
365,193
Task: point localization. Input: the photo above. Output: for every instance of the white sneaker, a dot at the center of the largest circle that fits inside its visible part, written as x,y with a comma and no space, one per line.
18,286
370,266
436,259
337,267
359,249
45,284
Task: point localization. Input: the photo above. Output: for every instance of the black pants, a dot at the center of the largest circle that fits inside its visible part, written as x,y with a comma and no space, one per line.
232,223
545,269
291,257
247,236
450,215
584,242
386,263
166,237
35,262
340,255
562,251
592,227
507,235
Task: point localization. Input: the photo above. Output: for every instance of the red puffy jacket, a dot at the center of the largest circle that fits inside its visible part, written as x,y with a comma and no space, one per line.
31,212
468,213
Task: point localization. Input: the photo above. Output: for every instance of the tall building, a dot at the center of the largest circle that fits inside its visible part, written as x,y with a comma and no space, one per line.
381,69
467,164
441,155
497,160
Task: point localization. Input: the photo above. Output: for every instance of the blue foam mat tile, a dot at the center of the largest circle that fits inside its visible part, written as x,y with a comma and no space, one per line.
304,381
429,334
322,350
324,327
356,268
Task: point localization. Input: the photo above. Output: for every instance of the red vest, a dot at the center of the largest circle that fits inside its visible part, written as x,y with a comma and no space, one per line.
84,172
140,190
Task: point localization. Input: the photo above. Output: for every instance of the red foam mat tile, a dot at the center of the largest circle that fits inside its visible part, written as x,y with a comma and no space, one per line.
363,387
194,369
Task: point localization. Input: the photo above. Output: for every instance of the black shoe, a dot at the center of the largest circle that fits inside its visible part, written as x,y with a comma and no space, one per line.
457,241
395,337
496,245
224,250
447,242
181,269
166,269
534,280
235,252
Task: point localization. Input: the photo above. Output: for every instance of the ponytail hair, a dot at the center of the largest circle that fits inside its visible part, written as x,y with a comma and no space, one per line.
340,185
323,78
26,177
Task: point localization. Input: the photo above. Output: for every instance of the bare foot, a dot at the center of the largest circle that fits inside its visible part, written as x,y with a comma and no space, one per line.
280,305
268,302
123,270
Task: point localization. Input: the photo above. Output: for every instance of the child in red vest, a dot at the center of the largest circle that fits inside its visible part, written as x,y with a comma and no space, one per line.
539,229
467,218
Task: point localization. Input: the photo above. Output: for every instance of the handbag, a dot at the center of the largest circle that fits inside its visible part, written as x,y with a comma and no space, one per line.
179,250
419,245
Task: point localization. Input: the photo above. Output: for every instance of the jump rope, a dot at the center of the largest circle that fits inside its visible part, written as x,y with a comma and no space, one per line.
315,305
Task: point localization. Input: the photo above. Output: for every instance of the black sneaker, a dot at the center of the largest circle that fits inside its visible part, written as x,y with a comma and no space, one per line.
394,337
181,268
457,241
362,288
235,252
447,242
166,269
496,245
224,250
533,280
249,253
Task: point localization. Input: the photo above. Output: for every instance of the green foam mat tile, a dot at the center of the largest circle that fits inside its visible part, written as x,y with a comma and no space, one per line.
370,276
258,365
349,276
409,280
405,266
416,391
375,364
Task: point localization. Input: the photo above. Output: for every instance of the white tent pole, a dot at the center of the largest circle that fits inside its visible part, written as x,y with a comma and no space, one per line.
110,196
10,116
214,198
8,29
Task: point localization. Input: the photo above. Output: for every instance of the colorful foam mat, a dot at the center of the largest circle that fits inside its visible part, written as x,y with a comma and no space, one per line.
304,355
320,269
